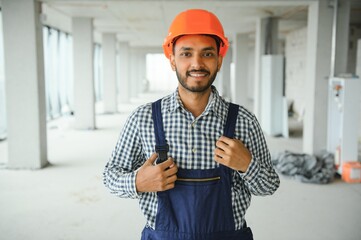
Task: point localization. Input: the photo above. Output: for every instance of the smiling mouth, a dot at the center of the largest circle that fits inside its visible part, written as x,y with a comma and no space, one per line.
198,73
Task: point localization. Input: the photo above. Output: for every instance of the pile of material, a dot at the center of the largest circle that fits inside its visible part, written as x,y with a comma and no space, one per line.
306,168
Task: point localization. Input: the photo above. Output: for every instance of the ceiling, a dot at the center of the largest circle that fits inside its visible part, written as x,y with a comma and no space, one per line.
145,23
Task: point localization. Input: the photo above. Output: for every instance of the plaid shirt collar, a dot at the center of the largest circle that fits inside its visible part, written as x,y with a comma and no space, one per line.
216,104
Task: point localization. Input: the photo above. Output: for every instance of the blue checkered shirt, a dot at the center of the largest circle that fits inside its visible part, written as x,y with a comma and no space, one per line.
191,144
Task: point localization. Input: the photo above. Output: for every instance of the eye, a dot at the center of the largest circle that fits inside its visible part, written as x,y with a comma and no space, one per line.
208,54
185,54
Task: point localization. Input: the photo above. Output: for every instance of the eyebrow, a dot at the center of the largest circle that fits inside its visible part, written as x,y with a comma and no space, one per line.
204,49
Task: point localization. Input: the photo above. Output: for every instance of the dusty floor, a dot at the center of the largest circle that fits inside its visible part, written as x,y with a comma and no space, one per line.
67,199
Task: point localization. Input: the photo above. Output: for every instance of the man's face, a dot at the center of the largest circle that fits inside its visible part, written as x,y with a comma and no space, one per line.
196,62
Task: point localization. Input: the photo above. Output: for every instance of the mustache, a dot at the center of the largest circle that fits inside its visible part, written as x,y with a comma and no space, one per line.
198,71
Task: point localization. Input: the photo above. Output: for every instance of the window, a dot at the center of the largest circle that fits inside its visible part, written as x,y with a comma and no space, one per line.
58,75
58,72
160,75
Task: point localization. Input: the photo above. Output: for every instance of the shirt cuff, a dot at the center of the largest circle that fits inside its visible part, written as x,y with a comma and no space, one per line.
252,171
132,190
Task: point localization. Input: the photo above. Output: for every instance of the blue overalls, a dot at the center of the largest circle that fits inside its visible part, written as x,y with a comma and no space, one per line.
200,205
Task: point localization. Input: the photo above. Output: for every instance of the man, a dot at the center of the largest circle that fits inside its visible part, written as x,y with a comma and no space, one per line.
210,154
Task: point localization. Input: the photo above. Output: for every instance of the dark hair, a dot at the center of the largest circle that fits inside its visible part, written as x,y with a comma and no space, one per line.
216,38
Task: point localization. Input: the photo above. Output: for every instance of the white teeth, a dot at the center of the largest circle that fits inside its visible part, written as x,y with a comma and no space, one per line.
197,74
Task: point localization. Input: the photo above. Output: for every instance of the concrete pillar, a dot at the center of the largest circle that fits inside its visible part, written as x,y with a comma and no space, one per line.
259,51
319,48
226,74
358,73
133,73
358,59
25,84
266,44
2,86
109,73
142,73
271,36
342,36
123,72
250,84
218,83
319,28
138,72
239,86
84,95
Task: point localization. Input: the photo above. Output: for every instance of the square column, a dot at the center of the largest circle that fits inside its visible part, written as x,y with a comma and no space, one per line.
358,73
2,86
218,83
358,59
225,85
133,73
259,51
109,73
239,86
84,93
144,85
266,44
319,27
123,71
319,48
342,36
25,84
137,72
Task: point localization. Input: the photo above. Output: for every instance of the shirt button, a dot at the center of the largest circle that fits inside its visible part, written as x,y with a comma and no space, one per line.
194,150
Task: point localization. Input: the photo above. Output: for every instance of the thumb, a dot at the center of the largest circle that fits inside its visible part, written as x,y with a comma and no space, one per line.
152,159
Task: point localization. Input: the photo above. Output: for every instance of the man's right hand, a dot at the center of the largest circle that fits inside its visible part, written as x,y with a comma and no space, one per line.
156,178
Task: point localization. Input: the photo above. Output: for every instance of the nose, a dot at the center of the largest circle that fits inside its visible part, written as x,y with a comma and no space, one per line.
197,62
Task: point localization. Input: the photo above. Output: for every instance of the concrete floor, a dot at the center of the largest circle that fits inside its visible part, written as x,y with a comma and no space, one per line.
67,199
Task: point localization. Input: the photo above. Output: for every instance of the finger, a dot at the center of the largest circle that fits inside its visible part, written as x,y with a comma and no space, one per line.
171,171
169,183
239,141
152,159
219,159
218,152
169,186
167,164
171,179
222,145
226,140
223,154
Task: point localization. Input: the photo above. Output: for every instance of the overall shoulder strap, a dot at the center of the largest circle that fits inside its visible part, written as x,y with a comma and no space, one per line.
228,131
161,146
231,121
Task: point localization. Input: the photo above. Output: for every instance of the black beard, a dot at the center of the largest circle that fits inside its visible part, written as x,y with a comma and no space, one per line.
201,89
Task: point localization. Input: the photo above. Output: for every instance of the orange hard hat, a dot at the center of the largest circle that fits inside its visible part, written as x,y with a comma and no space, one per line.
195,21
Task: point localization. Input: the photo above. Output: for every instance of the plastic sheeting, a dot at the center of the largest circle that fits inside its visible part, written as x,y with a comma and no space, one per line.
306,168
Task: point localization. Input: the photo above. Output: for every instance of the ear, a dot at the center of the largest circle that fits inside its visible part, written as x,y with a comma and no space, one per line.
172,61
220,61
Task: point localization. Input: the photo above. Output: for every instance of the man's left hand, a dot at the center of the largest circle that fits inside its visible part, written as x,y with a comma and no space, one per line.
232,153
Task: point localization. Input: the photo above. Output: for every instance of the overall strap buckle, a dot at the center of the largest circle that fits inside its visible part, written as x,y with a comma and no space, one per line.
162,152
161,146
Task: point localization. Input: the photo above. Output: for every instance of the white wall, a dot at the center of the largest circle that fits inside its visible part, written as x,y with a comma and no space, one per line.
250,85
